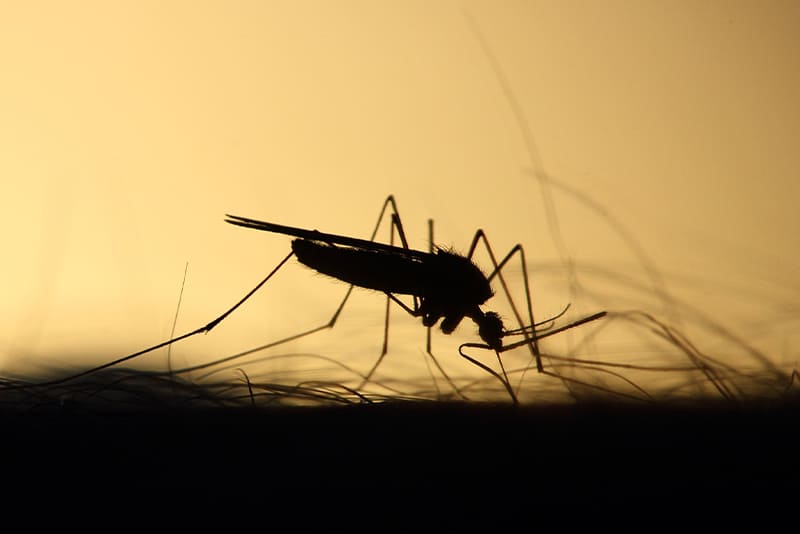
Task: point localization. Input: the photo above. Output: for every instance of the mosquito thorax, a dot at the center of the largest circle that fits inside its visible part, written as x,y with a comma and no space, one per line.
457,280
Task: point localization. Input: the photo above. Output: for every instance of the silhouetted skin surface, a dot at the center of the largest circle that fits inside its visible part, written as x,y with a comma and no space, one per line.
471,464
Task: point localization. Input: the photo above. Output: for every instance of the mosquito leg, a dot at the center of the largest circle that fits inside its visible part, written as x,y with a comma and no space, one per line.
503,379
428,328
430,251
428,345
497,271
202,330
389,296
397,226
222,317
530,338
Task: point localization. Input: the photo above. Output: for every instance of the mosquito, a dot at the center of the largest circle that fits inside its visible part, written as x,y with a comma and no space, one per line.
444,285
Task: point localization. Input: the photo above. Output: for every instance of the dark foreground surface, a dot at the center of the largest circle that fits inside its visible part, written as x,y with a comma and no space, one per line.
434,465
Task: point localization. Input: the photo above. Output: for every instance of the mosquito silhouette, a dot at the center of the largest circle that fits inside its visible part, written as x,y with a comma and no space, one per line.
444,285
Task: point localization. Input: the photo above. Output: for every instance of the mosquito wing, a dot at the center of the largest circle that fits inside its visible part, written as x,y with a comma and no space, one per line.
314,235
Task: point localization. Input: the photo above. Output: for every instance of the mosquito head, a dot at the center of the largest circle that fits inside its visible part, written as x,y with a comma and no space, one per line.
490,328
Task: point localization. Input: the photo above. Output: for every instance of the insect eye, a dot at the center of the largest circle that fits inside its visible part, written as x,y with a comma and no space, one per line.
491,330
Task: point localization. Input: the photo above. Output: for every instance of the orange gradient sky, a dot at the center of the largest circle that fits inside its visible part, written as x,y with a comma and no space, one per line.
128,129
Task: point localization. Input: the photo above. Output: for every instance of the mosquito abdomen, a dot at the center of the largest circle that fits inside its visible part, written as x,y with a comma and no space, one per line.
449,281
369,269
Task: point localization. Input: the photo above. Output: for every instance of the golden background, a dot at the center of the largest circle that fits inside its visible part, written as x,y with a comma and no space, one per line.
128,130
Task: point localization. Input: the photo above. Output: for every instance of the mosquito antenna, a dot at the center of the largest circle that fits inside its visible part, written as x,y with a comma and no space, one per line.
550,322
579,322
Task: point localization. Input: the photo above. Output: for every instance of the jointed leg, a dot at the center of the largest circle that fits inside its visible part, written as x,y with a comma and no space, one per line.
528,331
397,225
202,330
525,328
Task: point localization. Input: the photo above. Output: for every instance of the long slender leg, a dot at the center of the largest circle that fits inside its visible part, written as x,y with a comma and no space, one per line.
428,328
530,337
397,225
528,331
202,330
